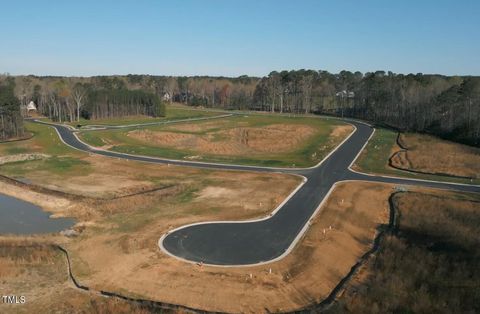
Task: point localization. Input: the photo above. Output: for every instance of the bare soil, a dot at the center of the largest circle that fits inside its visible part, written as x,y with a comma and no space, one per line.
236,141
432,155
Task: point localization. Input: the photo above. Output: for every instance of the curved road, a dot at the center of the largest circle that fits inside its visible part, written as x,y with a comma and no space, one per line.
241,243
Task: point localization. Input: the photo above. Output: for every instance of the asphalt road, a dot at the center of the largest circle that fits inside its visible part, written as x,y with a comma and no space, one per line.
253,242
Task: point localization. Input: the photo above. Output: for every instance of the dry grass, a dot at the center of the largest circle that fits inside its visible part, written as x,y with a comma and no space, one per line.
432,155
18,253
429,266
38,271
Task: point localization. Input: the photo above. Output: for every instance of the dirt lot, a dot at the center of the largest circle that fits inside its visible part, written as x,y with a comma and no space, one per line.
236,141
127,260
432,155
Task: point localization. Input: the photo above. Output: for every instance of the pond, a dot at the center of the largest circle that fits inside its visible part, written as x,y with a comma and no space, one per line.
24,218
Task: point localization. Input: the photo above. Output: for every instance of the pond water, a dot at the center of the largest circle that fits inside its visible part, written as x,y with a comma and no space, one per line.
20,217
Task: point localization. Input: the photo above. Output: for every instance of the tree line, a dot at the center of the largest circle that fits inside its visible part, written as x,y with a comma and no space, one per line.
69,99
102,104
11,121
440,105
218,92
446,106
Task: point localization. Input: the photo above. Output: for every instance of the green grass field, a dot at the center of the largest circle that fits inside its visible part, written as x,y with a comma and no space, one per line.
374,159
311,151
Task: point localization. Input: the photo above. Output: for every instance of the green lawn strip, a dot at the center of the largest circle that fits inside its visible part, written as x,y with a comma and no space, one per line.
374,159
312,151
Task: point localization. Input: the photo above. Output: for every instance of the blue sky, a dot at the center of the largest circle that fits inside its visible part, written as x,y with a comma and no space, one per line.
231,38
